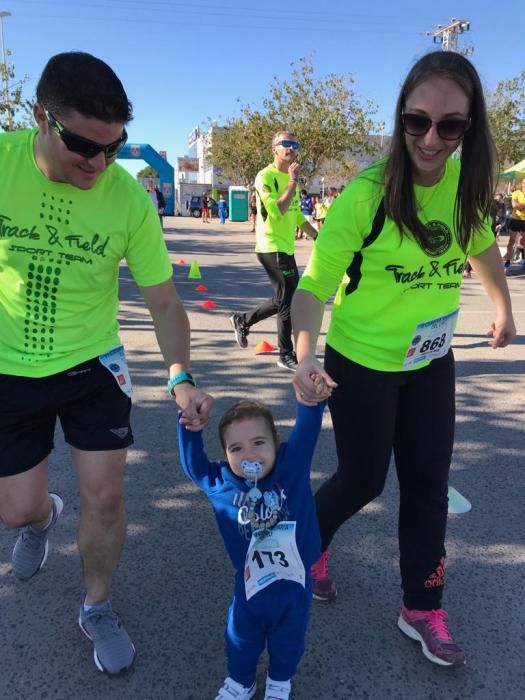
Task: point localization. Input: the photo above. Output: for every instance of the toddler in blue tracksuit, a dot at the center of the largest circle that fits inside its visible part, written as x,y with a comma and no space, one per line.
265,511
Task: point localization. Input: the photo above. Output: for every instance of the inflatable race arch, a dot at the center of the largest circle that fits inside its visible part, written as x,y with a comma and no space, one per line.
142,151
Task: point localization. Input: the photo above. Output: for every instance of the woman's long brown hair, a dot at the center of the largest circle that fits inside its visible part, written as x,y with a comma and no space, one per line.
478,160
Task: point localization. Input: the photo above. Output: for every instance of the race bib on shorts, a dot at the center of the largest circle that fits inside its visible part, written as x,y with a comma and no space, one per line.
272,556
115,361
431,340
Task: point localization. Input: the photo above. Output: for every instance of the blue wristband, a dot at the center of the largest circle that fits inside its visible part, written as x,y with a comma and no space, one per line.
179,378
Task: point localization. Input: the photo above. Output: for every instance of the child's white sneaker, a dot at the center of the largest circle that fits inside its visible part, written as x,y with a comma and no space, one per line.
277,690
231,690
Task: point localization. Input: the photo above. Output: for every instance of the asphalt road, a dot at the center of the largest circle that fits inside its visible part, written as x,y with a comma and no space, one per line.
174,582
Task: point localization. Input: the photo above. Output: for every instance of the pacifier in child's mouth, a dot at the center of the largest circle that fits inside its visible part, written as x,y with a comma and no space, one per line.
252,471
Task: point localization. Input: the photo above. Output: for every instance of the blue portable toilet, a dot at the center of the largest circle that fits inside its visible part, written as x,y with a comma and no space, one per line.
238,203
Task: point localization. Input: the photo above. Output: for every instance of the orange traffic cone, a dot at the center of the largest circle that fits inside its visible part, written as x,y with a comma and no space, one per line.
209,304
201,288
264,346
180,261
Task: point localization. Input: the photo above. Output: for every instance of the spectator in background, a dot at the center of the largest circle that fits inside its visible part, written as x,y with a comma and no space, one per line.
329,199
253,209
516,224
320,212
222,209
158,200
498,214
520,247
205,209
306,206
161,204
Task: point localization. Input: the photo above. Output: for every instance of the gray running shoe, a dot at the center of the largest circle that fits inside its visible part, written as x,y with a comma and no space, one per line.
113,650
32,545
240,329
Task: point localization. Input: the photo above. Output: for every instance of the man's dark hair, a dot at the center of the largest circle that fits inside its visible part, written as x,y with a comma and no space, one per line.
478,154
80,82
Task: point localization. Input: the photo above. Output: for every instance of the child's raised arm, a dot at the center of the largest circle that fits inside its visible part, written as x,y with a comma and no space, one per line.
306,429
193,459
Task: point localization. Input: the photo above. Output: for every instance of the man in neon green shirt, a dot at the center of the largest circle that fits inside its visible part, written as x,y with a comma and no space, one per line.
278,217
68,216
516,224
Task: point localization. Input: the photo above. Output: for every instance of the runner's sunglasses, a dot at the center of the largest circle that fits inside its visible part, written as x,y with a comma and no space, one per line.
288,144
448,129
85,147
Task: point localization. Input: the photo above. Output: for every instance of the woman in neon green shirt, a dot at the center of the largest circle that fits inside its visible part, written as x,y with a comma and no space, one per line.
395,243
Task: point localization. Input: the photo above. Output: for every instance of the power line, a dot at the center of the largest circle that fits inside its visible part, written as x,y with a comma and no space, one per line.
121,7
183,24
244,17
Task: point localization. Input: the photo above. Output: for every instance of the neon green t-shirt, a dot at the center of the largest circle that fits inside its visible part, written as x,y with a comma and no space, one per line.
276,232
60,249
518,197
396,285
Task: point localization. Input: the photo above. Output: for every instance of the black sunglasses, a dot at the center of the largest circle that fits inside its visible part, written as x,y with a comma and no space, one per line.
286,143
85,147
448,129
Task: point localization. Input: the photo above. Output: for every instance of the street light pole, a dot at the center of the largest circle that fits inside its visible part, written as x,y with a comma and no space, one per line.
4,13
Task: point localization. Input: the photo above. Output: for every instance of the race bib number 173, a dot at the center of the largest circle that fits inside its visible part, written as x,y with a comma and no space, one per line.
272,555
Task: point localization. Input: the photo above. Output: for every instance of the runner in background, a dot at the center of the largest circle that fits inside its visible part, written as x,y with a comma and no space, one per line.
516,224
278,217
253,209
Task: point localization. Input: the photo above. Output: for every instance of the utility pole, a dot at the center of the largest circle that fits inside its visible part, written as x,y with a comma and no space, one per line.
448,36
4,13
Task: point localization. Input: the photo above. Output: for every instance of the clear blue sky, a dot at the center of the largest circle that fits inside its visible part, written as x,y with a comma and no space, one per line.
182,62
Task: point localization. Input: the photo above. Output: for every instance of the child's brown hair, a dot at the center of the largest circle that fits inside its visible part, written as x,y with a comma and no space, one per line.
246,410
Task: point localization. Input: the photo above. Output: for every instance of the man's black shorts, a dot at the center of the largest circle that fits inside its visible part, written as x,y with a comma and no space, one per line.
516,225
93,410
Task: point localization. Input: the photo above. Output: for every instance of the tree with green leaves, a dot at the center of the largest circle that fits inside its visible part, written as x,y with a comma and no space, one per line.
241,147
326,114
506,109
336,171
18,112
147,172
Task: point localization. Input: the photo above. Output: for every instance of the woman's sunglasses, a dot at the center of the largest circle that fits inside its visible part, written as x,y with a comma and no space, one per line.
85,147
448,129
